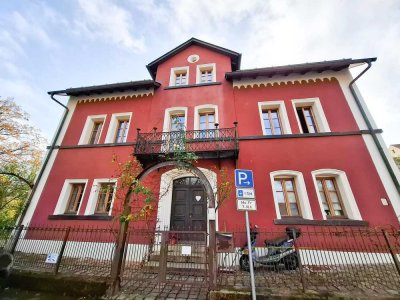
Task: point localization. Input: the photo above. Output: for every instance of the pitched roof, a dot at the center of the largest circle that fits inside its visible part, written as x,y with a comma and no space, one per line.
396,146
235,56
334,65
108,88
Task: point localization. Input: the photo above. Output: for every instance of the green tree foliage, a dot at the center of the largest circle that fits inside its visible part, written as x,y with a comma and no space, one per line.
21,152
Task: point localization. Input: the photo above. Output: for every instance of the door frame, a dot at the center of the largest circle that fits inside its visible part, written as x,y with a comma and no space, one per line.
165,201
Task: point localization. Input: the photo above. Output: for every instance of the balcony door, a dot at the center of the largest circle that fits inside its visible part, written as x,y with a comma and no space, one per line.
189,205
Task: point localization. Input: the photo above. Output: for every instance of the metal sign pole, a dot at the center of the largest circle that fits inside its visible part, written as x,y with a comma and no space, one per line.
253,286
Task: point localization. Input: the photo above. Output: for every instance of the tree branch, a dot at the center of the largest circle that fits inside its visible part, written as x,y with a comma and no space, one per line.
30,184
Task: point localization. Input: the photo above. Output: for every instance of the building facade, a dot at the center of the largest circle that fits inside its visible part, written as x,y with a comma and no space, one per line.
303,130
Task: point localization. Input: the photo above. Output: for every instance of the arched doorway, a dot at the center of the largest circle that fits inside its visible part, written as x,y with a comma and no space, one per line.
189,205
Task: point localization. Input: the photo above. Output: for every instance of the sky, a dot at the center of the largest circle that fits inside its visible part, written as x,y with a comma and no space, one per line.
54,45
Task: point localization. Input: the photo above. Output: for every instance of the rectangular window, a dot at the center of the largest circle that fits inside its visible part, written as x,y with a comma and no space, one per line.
207,120
122,131
180,78
177,122
287,198
75,198
307,119
105,198
95,135
206,76
330,197
272,124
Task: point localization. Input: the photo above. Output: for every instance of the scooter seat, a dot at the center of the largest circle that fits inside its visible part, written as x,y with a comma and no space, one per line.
276,242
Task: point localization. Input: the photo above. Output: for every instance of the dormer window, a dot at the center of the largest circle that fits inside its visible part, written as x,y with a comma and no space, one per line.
206,73
179,76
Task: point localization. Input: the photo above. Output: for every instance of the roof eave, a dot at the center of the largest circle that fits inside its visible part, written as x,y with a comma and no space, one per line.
335,65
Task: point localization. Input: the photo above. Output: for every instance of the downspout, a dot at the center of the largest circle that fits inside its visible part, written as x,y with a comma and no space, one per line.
371,129
45,162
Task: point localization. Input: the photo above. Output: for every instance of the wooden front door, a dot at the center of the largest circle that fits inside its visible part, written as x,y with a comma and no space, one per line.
189,205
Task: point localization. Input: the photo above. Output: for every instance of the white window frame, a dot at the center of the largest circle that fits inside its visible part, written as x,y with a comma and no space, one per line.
172,111
318,112
283,117
66,190
346,194
202,109
94,194
200,68
174,71
88,127
112,129
301,190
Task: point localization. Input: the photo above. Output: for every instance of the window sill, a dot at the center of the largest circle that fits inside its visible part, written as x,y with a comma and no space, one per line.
192,85
80,217
329,222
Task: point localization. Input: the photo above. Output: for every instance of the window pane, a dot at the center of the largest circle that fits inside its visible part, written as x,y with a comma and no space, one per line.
282,209
278,186
329,185
211,118
320,187
280,197
289,185
291,197
294,211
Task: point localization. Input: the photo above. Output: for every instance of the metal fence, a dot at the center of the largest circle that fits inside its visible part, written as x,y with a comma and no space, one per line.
322,259
76,251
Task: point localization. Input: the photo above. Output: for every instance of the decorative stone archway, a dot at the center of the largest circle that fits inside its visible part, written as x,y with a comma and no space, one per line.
121,240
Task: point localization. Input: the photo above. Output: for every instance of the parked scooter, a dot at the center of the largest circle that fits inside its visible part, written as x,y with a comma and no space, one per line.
278,252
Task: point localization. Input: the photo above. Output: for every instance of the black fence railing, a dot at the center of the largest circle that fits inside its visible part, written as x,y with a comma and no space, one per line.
349,260
197,141
324,259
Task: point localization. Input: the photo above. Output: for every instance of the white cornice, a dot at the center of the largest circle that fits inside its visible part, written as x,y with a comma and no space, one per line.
285,80
115,96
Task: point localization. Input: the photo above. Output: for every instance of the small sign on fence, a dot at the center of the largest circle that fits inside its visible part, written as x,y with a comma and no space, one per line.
186,250
51,258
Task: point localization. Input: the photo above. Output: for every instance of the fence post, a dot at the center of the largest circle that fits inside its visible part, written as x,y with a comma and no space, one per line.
392,252
60,255
162,275
303,283
16,238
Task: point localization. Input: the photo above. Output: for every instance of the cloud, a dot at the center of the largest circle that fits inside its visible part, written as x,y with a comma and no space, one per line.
109,22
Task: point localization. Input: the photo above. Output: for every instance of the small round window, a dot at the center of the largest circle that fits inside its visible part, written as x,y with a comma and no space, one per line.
193,58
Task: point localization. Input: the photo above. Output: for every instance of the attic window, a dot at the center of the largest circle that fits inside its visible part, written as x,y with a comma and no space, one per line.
179,76
206,73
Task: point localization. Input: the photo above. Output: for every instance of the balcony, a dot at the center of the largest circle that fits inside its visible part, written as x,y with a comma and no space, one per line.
206,144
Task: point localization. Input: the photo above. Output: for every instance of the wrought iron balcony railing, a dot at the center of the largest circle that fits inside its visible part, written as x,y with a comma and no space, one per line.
218,142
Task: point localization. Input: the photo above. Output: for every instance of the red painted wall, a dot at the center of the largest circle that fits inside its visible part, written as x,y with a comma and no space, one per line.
345,153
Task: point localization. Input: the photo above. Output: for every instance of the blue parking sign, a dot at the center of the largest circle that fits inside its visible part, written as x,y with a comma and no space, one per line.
244,178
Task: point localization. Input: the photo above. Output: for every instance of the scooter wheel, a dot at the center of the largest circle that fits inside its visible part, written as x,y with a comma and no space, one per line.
244,263
291,262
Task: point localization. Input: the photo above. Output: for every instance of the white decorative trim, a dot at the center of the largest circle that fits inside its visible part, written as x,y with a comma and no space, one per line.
172,76
262,81
117,96
87,129
300,188
280,106
112,129
171,111
211,66
94,194
315,103
65,193
201,109
349,202
40,185
166,186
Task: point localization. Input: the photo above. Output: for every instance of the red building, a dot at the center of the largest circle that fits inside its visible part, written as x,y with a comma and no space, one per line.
303,129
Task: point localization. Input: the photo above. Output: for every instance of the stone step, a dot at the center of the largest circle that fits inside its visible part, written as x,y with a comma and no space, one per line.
197,258
177,268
